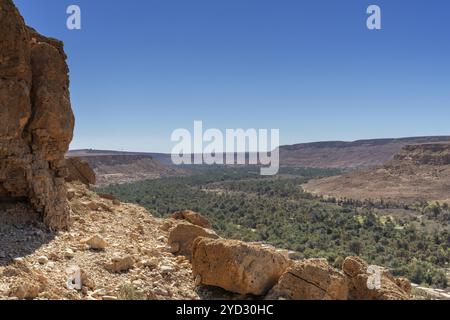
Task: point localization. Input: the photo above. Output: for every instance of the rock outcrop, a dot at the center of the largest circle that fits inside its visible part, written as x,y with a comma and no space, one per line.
357,271
237,266
192,217
183,235
436,154
312,279
36,119
79,170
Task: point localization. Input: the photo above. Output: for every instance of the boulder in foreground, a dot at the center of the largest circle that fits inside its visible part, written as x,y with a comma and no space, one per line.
237,266
312,279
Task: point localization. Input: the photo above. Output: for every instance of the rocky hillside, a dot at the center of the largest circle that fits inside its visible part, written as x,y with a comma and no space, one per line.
348,155
417,173
116,168
122,252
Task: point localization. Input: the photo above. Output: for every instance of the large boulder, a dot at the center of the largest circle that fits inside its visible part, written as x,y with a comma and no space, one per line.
79,170
36,119
192,217
372,282
312,279
183,235
237,266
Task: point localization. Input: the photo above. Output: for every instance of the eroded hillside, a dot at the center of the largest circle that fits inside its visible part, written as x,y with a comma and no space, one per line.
418,173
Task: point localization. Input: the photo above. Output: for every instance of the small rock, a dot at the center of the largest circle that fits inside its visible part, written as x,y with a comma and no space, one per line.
109,298
42,260
96,243
167,270
161,291
120,264
69,254
25,291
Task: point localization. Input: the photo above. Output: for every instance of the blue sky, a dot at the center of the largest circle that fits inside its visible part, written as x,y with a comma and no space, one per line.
142,68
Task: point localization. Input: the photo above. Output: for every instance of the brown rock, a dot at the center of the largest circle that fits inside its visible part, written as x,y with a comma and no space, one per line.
36,119
79,170
362,288
192,217
181,238
237,266
312,279
404,284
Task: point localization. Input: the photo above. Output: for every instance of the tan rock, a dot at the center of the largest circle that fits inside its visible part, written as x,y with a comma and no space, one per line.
87,281
42,260
237,266
192,217
25,291
95,242
181,238
120,264
363,282
312,279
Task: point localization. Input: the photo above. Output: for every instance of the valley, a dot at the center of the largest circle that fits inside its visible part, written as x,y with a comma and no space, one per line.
411,241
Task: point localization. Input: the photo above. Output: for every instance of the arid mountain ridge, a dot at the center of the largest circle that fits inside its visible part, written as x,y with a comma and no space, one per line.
418,173
121,167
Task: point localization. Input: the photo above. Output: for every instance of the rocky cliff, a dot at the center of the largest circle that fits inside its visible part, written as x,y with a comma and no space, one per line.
36,119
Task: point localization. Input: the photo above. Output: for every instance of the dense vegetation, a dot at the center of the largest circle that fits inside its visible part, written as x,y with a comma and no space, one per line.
243,205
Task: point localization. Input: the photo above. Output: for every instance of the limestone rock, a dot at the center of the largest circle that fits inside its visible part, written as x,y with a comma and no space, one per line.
358,273
120,264
181,238
96,242
237,266
192,217
79,170
312,279
36,119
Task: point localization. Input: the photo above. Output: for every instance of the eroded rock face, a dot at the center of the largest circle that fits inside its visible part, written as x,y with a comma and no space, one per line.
237,266
357,271
312,279
79,170
36,119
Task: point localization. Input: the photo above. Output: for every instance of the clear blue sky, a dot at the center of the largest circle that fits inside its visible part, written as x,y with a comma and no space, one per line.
142,68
